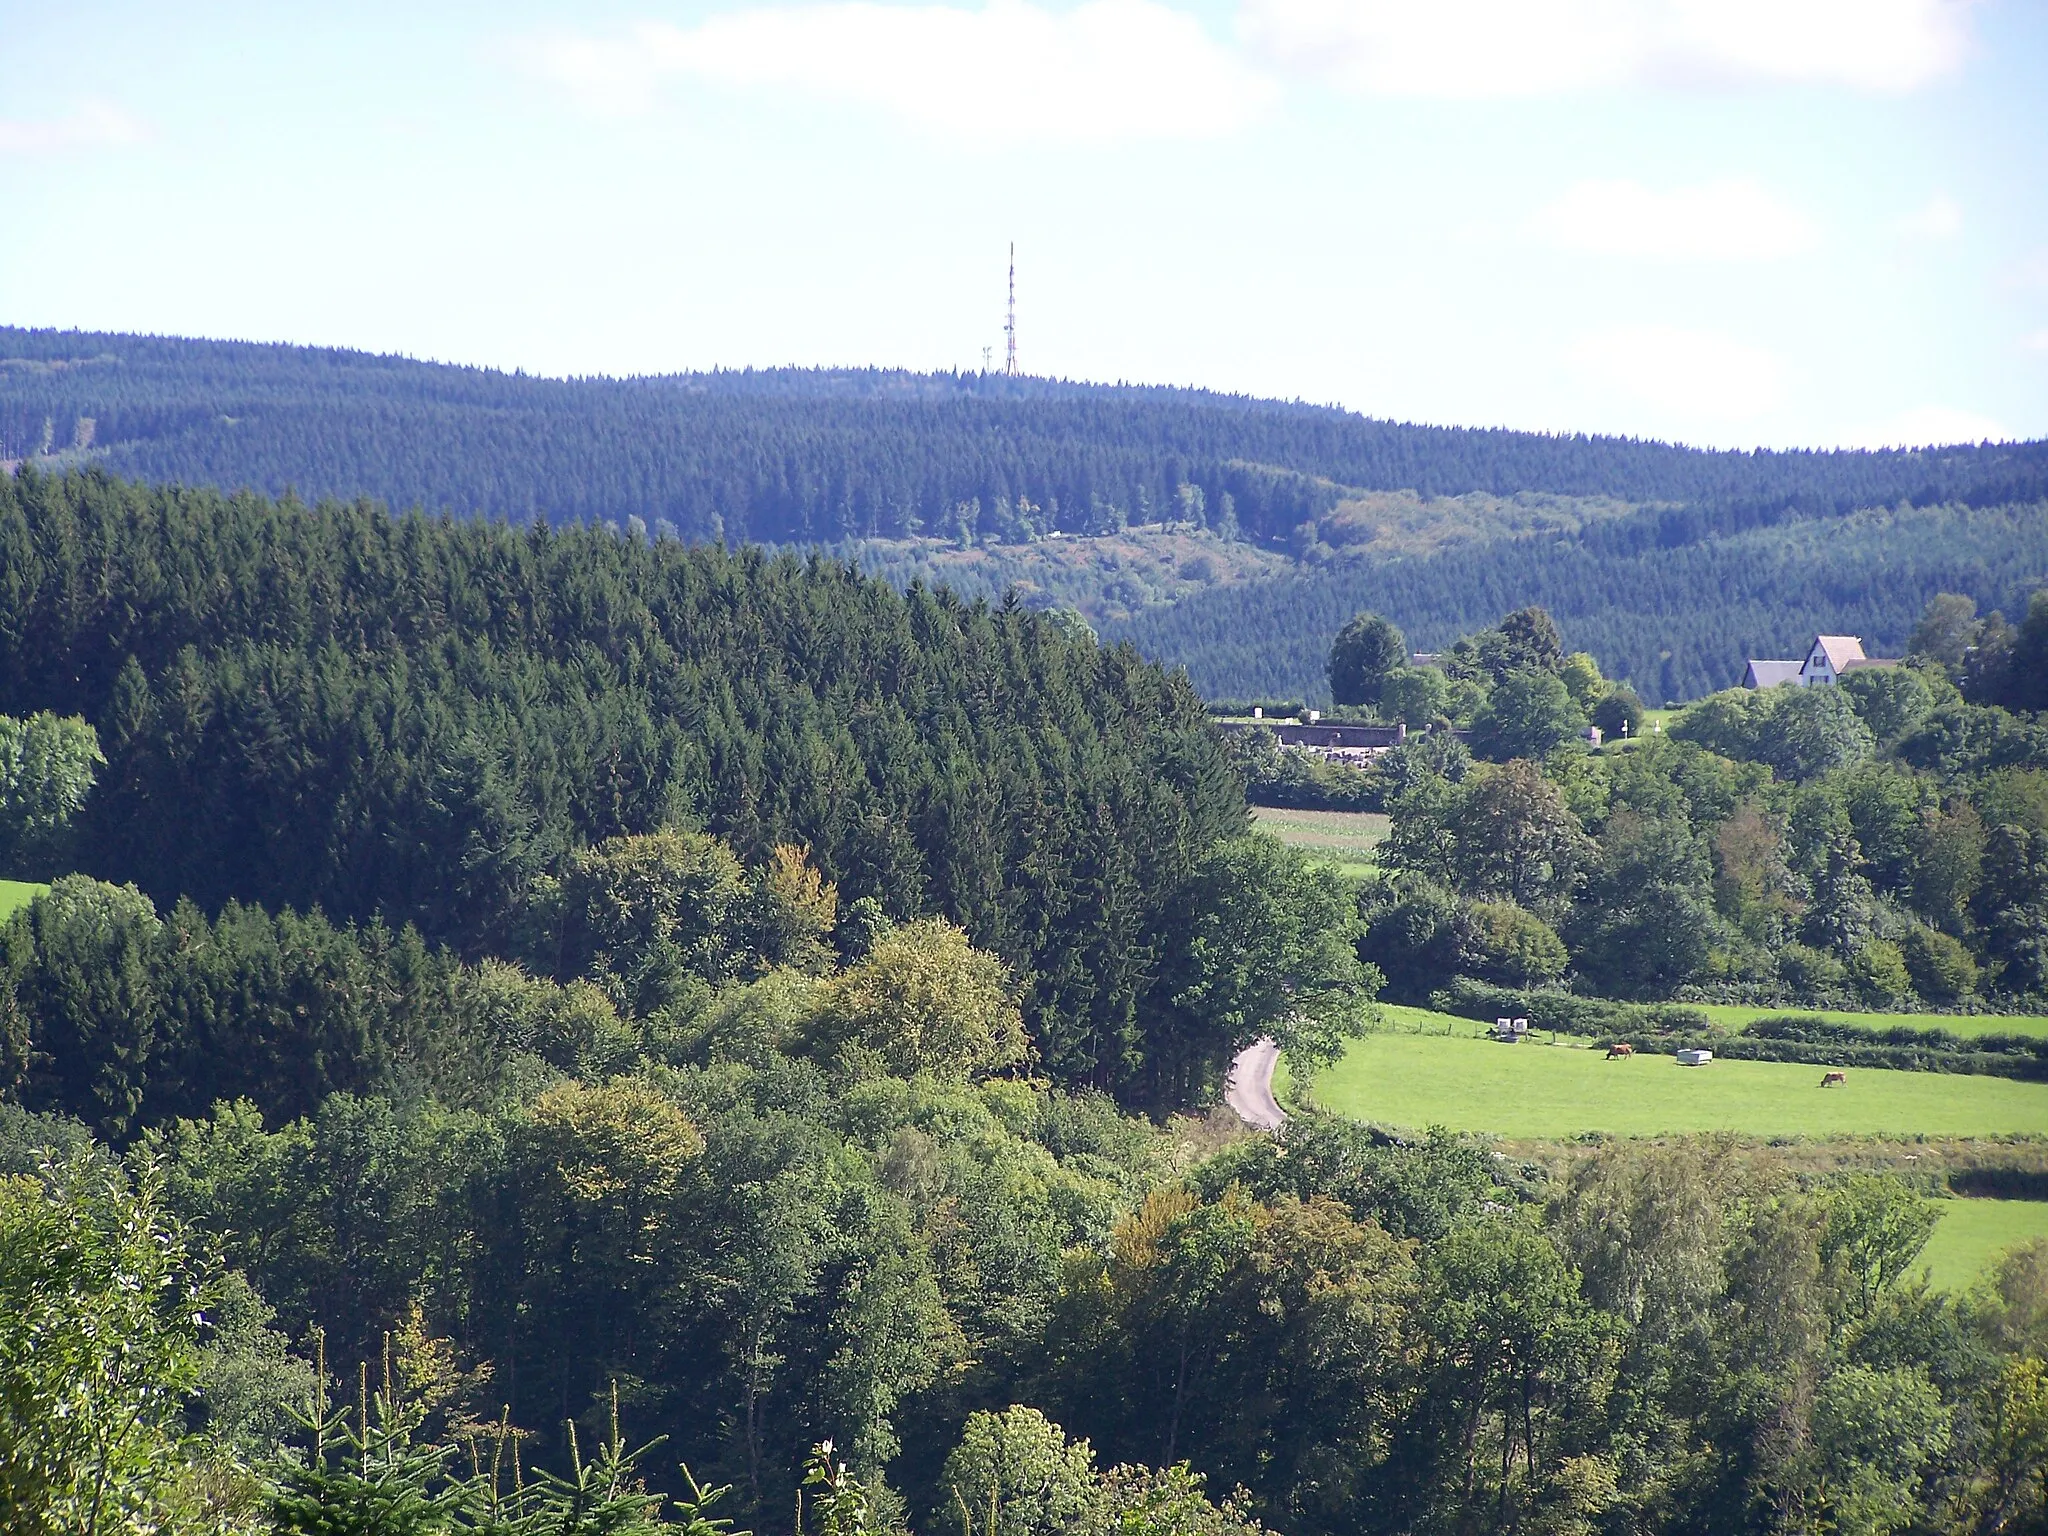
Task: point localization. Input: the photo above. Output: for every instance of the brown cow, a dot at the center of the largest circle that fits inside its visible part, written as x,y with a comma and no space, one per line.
1831,1079
1620,1048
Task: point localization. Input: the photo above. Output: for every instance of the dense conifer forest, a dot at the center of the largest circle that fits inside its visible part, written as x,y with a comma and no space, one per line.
1675,613
841,458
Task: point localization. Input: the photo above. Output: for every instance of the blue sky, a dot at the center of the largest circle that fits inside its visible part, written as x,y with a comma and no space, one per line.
1722,221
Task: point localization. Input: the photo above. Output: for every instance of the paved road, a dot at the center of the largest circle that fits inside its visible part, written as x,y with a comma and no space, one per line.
1249,1088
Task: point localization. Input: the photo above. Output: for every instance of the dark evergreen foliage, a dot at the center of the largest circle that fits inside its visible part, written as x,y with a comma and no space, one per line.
795,456
411,718
1673,605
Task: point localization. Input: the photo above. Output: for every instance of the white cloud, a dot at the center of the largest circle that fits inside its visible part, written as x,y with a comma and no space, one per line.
1941,219
1007,71
93,125
1697,374
1734,219
2038,342
1480,48
1930,425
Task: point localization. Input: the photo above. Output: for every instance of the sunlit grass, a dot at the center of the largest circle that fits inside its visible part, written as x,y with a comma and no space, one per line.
1974,1233
1541,1090
17,893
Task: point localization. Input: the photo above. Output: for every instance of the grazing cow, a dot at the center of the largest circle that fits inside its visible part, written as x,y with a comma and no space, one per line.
1620,1048
1831,1079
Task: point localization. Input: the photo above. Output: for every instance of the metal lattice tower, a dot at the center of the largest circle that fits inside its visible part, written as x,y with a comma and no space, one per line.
1010,324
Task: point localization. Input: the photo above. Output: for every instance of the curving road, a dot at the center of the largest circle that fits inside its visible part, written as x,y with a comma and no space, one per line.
1249,1088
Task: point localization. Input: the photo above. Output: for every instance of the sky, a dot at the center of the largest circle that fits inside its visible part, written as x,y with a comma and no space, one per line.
1728,222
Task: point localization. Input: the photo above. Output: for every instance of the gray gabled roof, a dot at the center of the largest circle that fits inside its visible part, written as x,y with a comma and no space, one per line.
1770,674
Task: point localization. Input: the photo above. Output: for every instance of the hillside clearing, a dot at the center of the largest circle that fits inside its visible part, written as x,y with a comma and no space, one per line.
17,893
1344,839
1537,1089
1973,1235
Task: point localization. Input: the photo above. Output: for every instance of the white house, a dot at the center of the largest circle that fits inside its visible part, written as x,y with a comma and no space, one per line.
1826,660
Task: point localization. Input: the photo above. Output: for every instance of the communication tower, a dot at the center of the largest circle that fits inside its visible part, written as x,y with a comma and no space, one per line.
1010,324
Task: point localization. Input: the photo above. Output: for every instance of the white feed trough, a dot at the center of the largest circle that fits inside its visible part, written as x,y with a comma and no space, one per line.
1694,1058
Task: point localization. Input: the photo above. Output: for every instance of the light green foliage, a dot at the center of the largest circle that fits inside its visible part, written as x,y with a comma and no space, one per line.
1170,1501
1800,733
637,913
1264,945
1876,1227
1188,1337
47,765
1414,696
1528,713
1810,731
1875,1430
1512,836
1580,674
1015,1473
1516,948
103,1306
1518,1355
2014,797
1878,972
925,1000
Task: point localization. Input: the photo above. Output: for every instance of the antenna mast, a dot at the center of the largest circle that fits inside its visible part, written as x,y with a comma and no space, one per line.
1010,324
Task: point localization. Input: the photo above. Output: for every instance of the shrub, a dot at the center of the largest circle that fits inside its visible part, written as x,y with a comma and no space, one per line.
1940,966
1514,946
1810,972
1878,972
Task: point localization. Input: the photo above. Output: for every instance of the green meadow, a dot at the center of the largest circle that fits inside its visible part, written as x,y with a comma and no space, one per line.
17,893
1974,1233
1343,839
1540,1090
1732,1017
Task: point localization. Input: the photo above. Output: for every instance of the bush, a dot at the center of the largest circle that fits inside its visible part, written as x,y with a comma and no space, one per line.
1618,709
1878,972
1516,947
1941,968
1811,972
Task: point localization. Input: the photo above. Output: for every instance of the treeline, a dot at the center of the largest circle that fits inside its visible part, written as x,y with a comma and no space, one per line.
855,1302
1674,607
788,456
1857,845
415,720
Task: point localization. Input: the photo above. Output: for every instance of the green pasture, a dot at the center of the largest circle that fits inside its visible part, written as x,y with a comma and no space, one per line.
1974,1233
1732,1017
1540,1090
1343,839
17,893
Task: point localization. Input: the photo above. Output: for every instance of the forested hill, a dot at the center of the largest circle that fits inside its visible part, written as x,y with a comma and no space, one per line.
790,456
415,720
1673,613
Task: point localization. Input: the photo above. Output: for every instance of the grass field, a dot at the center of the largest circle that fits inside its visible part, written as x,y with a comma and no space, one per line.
1345,839
1733,1016
1539,1090
1973,1233
17,893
